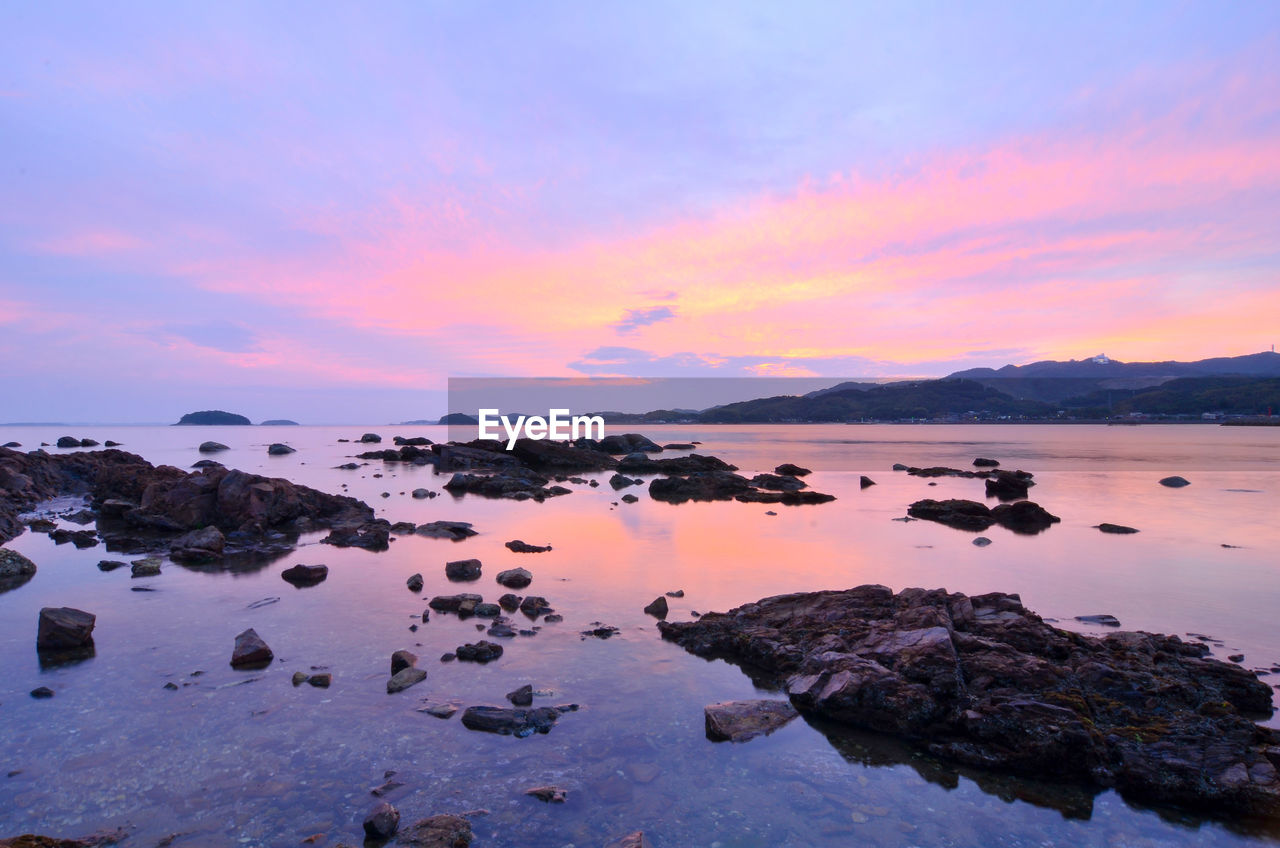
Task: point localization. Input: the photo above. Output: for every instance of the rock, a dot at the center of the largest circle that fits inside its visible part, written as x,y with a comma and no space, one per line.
68,442
694,463
454,603
279,449
985,682
515,578
41,692
442,831
110,564
521,697
214,417
678,593
1007,485
439,709
522,548
61,628
204,545
373,536
791,470
1236,658
738,721
600,631
981,541
299,678
488,611
212,447
110,444
515,483
865,482
621,481
383,822
305,575
626,443
675,446
1104,619
14,568
778,483
629,499
1175,482
1115,528
420,494
370,439
510,602
1025,517
534,606
462,570
401,660
12,444
80,538
414,583
702,486
548,794
657,608
146,567
517,721
207,463
455,530
416,441
404,678
631,840
482,652
250,651
983,462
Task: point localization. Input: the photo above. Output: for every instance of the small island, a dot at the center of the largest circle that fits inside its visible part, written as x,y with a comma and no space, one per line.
213,416
459,418
279,422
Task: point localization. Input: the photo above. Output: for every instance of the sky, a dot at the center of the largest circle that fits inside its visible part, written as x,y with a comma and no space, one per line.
324,211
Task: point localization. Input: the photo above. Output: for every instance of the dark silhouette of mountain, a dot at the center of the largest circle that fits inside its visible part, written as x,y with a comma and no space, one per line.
452,418
279,422
1054,381
1184,396
213,416
890,402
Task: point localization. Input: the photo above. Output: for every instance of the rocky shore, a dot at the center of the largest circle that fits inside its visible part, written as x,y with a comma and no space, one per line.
985,682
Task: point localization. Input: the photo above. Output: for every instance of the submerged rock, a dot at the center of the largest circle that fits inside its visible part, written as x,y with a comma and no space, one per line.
515,578
383,822
983,681
443,831
455,530
280,449
404,678
738,721
791,470
1116,528
517,721
523,548
1104,619
305,575
631,840
548,794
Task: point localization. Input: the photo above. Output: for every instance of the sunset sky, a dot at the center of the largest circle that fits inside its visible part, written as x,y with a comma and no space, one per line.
323,211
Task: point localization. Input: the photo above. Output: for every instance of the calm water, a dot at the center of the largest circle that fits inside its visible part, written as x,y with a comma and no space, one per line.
245,758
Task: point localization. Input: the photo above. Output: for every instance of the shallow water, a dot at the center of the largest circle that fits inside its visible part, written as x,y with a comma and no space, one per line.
238,757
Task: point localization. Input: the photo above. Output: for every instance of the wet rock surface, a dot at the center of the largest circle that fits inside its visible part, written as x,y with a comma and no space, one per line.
513,721
250,651
985,682
61,628
15,569
462,570
305,575
443,831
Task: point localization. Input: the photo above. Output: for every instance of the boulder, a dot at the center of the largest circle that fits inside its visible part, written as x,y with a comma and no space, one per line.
481,652
454,603
534,606
251,651
521,697
443,831
212,447
738,721
778,482
1007,485
305,575
204,545
61,628
1175,482
621,481
280,449
791,470
68,442
626,443
401,660
515,578
658,608
414,583
370,439
14,568
516,721
146,567
984,462
455,530
462,570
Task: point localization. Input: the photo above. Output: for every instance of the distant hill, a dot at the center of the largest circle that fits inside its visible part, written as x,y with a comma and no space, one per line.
452,418
213,416
1185,396
1053,381
280,422
890,402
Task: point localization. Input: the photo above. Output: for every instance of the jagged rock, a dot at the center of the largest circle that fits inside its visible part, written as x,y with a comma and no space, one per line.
404,678
1175,482
383,822
515,578
305,575
250,651
280,449
441,831
61,628
212,447
482,652
738,721
657,608
455,530
519,547
865,482
463,570
983,681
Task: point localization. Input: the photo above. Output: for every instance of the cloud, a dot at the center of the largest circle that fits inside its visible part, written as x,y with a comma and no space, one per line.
217,335
634,319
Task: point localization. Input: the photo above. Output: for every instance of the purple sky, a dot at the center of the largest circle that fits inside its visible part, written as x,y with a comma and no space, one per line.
296,211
